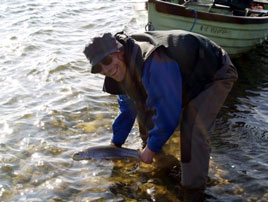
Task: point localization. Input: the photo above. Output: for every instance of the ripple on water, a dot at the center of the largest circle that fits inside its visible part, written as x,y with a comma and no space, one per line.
52,107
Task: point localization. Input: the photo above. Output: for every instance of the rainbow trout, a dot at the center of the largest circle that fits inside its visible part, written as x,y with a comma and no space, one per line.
107,152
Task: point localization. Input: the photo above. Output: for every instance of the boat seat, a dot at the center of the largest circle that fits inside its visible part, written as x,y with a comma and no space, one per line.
257,12
238,7
235,4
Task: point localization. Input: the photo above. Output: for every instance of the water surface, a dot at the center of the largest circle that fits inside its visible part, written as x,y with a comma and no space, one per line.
51,107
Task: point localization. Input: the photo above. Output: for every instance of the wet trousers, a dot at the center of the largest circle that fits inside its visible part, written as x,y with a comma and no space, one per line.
197,123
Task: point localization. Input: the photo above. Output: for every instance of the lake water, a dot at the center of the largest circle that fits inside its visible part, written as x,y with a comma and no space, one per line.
51,107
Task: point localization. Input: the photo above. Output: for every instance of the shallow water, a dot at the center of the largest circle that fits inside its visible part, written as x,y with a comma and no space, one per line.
51,107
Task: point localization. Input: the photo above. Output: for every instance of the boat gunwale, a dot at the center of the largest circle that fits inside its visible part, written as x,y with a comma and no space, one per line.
180,10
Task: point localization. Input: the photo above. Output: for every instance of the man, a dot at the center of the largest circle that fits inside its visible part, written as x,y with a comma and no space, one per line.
160,76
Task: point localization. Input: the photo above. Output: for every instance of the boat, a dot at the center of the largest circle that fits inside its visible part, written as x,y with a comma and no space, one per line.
237,28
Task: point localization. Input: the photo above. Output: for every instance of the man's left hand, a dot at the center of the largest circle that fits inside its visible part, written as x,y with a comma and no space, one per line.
147,155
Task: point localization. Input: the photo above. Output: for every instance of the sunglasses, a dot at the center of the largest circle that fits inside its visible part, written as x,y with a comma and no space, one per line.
105,61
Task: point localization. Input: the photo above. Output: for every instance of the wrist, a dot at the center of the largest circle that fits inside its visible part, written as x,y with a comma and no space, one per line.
115,144
149,150
147,155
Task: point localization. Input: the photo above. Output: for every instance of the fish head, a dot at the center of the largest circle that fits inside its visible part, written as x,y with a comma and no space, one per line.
80,156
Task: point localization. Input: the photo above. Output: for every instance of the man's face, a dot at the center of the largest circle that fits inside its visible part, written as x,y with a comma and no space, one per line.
116,69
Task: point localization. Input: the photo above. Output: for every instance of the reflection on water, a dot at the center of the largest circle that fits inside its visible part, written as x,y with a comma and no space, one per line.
52,107
241,138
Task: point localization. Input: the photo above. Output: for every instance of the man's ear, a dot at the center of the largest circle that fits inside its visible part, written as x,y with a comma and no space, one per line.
121,55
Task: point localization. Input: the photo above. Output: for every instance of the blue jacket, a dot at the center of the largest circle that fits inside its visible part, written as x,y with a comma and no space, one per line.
163,85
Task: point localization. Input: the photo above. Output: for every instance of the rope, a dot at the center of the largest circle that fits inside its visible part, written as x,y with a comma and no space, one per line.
195,18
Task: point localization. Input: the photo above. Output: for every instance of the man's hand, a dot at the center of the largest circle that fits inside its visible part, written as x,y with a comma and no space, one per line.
147,155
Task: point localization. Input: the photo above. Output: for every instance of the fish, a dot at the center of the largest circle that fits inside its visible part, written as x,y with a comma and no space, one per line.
107,152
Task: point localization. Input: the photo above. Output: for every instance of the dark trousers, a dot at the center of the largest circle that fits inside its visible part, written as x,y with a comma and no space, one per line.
197,123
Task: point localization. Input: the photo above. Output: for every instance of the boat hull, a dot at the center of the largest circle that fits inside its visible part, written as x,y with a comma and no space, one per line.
235,34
